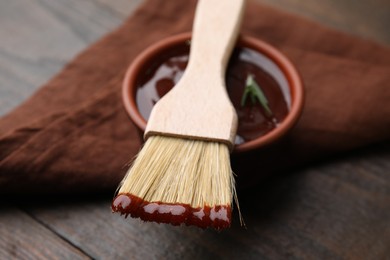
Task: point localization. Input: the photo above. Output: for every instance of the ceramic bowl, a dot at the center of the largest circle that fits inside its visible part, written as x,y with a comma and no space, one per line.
286,74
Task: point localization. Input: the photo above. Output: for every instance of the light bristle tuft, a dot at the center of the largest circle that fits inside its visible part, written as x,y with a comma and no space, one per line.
181,171
174,170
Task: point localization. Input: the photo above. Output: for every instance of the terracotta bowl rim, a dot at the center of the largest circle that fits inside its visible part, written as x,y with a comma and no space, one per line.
285,65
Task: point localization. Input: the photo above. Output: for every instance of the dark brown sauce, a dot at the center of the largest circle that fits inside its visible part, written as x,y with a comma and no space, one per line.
218,217
166,70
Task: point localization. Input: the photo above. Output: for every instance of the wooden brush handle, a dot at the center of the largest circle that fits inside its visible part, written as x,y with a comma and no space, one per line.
215,31
198,107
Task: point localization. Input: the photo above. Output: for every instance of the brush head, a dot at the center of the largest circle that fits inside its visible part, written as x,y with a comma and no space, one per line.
179,181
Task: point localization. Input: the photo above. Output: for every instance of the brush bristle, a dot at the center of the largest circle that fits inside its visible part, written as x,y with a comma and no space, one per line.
176,181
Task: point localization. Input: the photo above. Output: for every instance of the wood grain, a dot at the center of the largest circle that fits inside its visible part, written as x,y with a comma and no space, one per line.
22,237
39,37
104,235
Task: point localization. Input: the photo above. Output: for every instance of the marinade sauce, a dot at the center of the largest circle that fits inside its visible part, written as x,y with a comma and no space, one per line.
218,217
254,121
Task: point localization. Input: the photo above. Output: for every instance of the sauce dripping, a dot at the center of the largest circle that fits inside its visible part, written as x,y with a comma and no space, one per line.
218,217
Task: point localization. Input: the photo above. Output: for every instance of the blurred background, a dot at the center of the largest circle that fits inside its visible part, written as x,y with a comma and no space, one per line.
38,37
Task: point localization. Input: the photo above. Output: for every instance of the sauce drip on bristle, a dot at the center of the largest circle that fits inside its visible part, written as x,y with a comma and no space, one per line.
218,217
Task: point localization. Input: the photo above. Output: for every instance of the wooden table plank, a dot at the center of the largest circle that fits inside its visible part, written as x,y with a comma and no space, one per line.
21,237
91,225
338,210
38,37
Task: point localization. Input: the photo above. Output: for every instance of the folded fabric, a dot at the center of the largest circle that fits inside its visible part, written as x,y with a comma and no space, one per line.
74,135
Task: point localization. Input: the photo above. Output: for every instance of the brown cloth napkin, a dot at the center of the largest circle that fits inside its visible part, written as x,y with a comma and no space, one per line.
74,135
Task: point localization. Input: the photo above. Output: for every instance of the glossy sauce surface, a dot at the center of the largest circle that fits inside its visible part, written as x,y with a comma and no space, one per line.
218,217
166,70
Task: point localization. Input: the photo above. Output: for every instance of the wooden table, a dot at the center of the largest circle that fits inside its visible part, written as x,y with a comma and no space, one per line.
339,209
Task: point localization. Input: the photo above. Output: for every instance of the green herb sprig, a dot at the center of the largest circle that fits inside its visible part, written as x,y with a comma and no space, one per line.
253,90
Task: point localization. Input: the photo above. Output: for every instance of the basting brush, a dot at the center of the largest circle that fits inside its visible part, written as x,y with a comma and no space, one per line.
182,174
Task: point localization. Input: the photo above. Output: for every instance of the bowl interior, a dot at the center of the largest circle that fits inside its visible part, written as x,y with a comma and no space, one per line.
274,63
